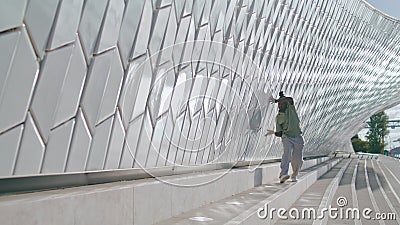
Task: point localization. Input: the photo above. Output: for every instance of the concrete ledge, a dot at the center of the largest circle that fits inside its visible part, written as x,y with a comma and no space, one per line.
145,201
284,198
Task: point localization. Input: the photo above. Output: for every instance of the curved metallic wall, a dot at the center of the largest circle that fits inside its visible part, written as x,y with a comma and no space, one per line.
107,84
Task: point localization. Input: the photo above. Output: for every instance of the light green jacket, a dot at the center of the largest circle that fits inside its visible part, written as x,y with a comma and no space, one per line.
288,122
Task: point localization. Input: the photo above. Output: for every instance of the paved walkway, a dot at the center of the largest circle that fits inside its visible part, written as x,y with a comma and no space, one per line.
364,186
367,189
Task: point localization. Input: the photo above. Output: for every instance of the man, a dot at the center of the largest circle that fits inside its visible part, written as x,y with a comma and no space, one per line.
288,128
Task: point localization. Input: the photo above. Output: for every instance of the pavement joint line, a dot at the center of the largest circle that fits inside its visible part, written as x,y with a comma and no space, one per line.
390,185
330,192
384,194
371,195
274,197
354,192
392,174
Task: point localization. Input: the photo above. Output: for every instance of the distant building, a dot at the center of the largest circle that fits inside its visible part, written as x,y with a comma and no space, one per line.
395,152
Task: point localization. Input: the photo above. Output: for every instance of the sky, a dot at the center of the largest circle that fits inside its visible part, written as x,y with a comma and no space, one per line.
390,7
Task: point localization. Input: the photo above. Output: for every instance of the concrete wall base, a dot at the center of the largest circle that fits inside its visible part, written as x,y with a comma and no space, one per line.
145,201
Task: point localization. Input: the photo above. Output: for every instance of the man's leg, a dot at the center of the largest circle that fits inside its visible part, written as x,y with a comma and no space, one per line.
297,155
287,151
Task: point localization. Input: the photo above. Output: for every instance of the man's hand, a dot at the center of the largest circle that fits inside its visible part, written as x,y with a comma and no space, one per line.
279,134
272,100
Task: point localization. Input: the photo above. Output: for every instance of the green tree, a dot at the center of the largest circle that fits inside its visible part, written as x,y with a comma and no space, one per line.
359,145
377,132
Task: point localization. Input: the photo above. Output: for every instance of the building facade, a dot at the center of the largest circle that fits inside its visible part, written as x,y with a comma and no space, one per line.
113,84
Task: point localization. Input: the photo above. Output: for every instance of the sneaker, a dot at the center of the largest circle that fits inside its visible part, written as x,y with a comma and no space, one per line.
294,178
283,178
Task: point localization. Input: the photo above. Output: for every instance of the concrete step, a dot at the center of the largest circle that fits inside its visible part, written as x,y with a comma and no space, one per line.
372,194
365,184
243,208
145,201
318,196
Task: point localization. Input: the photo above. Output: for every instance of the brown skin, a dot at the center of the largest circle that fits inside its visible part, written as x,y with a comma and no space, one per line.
282,106
282,103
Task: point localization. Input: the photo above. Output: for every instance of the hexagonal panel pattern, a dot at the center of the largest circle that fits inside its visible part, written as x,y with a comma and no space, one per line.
113,84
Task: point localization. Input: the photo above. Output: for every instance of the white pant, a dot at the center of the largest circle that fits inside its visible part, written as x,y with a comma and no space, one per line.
292,152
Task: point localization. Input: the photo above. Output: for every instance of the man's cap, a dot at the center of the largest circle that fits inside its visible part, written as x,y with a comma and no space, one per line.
281,96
